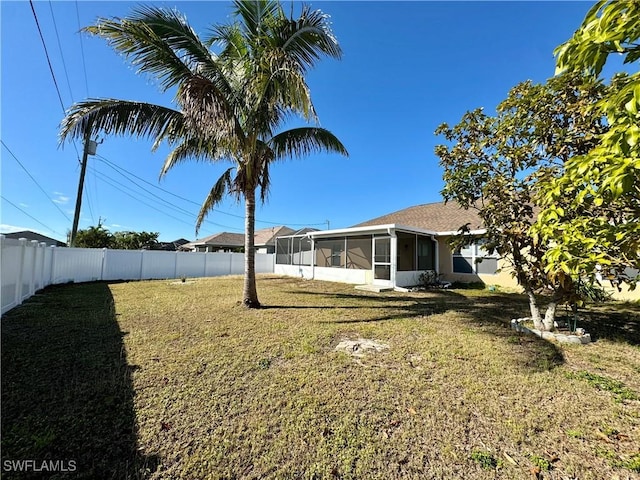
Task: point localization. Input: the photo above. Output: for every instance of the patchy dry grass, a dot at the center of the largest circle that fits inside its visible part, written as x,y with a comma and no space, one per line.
160,380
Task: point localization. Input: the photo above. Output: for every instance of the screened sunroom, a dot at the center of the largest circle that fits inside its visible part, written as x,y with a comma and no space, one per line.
388,255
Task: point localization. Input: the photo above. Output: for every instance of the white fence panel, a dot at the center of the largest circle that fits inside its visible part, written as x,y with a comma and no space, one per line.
77,265
218,264
192,264
265,263
158,264
28,266
11,265
237,263
122,264
47,273
37,277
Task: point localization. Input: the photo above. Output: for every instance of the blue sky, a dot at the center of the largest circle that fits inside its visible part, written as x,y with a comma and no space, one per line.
407,67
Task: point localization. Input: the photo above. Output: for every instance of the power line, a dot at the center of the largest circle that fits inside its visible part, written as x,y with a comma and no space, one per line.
64,65
30,216
107,179
46,52
110,181
113,165
84,65
34,180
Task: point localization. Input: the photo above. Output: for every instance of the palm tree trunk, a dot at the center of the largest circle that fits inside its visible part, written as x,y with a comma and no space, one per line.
250,293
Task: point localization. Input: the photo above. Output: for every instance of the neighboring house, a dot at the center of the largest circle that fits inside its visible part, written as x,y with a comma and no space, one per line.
29,235
265,241
169,246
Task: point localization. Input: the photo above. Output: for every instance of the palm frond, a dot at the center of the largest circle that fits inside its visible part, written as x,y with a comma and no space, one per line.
193,148
217,193
308,38
255,15
303,141
139,39
118,117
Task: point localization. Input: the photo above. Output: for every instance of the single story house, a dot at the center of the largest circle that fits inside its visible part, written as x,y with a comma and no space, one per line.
395,249
265,241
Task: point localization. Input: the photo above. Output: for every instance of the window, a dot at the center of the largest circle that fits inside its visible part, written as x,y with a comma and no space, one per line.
474,258
415,252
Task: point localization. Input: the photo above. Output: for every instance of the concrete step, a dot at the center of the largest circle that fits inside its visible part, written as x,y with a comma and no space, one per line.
374,288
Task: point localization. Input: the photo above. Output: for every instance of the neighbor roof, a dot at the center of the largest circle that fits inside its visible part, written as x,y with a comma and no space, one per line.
267,236
264,236
29,235
440,217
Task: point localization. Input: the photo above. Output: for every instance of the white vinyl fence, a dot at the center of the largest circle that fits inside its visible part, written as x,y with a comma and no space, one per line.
26,267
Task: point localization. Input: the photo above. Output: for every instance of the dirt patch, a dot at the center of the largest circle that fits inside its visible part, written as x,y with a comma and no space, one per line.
360,347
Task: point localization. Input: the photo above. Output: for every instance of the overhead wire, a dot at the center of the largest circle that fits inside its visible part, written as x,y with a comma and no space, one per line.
46,52
34,180
155,198
115,166
53,75
30,216
84,64
112,183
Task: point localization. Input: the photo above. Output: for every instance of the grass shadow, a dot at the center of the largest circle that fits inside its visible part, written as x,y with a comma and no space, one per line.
67,394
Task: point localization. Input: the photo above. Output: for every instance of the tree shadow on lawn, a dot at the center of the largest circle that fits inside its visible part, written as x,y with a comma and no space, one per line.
489,313
67,392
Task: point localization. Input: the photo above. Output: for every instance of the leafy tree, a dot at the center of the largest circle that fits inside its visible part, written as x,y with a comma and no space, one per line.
134,240
94,237
592,212
495,164
100,237
232,103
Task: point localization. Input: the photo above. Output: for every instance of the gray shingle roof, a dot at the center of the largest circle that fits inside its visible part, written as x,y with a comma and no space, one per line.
438,217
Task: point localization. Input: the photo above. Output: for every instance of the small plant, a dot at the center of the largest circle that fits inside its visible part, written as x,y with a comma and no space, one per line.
183,278
264,363
542,463
485,459
428,278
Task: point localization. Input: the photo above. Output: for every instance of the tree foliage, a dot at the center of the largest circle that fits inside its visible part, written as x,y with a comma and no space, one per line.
100,237
235,91
592,212
94,237
495,164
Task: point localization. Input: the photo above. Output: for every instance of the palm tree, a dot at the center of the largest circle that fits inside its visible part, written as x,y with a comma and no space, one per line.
231,105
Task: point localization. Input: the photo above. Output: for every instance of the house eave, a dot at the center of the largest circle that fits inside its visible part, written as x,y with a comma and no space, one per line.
371,229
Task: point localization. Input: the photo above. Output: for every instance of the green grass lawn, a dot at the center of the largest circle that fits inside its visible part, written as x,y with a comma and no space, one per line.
165,380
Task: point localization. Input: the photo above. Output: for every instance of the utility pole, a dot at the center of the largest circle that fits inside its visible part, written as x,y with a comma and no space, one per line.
89,149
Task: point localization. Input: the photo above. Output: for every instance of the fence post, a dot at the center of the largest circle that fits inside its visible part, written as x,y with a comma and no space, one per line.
52,273
43,248
141,264
23,247
104,256
32,280
175,265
